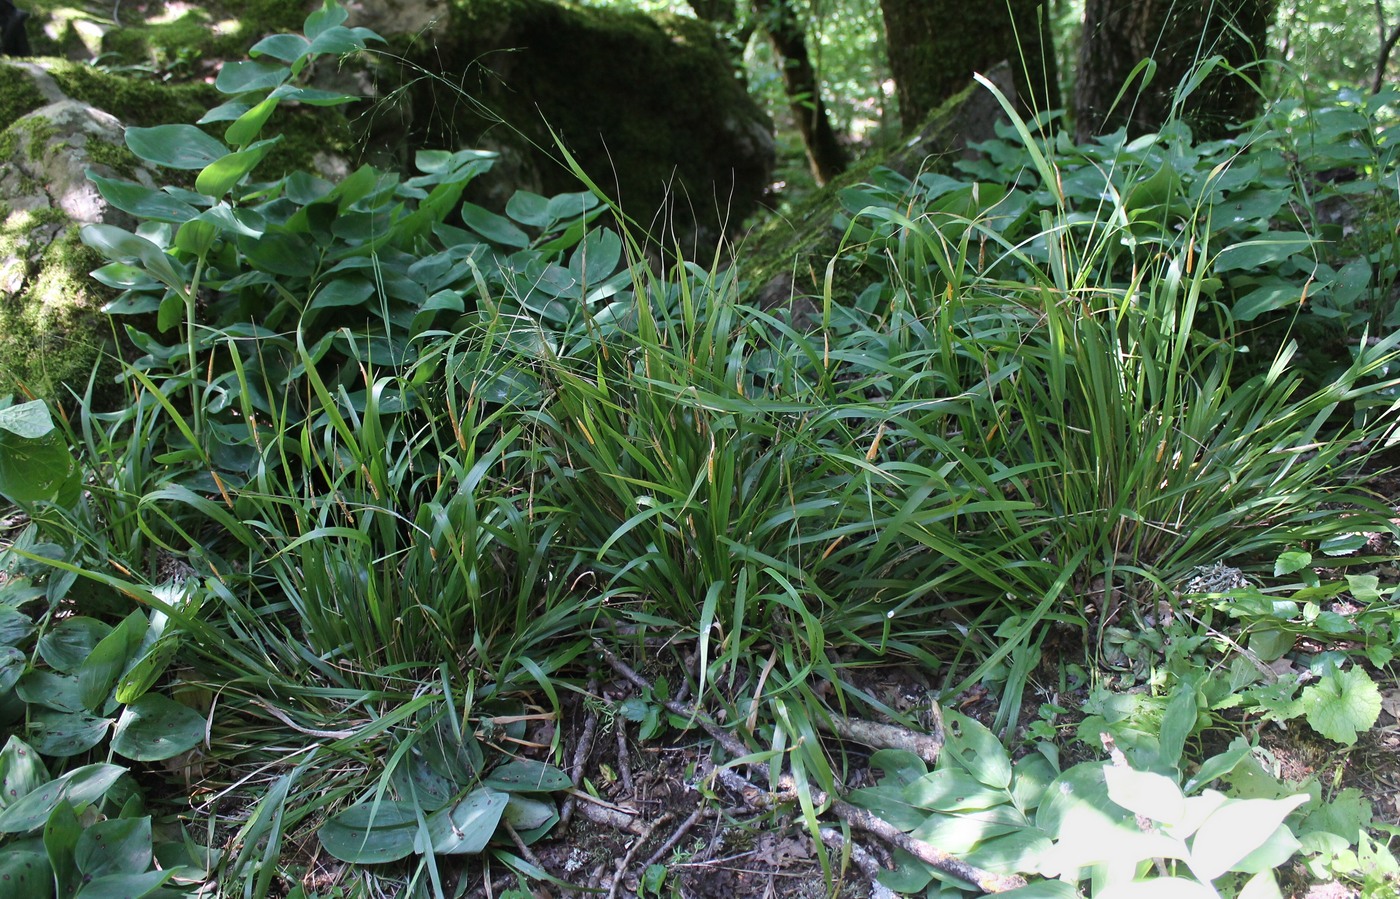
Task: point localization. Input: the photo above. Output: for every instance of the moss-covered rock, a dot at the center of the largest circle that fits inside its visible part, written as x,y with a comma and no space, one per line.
53,335
179,39
648,106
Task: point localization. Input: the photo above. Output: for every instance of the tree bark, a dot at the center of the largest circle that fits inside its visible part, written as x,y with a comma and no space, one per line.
825,155
1179,35
935,46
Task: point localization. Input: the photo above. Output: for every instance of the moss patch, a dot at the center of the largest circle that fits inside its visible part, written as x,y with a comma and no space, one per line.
52,331
18,95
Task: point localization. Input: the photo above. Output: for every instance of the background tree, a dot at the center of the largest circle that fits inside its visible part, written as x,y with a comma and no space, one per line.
935,46
1179,35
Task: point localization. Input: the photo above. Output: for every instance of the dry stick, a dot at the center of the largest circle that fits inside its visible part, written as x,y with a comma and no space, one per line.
606,815
585,743
620,871
891,736
866,862
676,836
724,738
624,761
520,846
932,856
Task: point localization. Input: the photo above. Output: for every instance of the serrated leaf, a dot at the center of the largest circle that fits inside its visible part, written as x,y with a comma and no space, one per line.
1342,704
371,833
527,776
156,727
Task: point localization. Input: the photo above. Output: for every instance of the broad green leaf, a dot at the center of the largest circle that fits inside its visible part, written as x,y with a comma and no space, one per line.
246,128
61,833
142,202
175,146
371,833
1219,765
114,846
527,813
1144,793
64,734
123,246
960,833
285,47
250,75
900,766
1261,251
81,787
1019,850
25,874
1033,773
343,292
156,727
66,646
528,209
493,227
219,177
339,39
1273,853
1291,562
596,256
1261,886
1178,722
977,749
35,463
1235,830
54,691
281,253
149,664
108,659
328,16
466,827
126,886
1342,704
887,801
952,790
527,776
1271,296
12,664
15,627
20,771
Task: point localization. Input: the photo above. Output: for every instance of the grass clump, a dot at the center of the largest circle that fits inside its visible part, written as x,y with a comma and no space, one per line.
394,468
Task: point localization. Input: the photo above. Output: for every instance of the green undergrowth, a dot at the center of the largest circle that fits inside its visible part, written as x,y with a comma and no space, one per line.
389,464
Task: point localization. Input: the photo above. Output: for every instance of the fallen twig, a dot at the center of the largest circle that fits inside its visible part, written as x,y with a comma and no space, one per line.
889,736
581,749
620,872
676,836
864,861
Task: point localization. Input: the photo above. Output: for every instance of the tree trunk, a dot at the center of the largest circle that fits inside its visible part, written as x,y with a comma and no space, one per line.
1179,35
935,46
825,155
